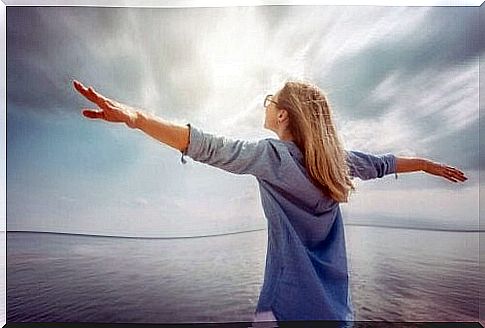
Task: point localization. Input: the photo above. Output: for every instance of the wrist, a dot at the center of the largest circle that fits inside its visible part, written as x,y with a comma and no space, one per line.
424,164
135,119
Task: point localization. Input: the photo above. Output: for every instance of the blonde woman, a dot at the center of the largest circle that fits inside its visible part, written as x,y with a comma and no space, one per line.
303,176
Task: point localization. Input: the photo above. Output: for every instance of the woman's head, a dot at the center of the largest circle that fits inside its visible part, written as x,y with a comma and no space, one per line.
300,112
276,118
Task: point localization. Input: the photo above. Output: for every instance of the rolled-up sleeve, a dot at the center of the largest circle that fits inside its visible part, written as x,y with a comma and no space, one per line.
368,166
232,155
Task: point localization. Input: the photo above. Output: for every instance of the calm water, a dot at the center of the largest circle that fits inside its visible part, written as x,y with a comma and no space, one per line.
397,275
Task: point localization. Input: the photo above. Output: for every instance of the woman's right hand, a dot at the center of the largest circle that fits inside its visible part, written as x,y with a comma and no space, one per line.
449,172
111,110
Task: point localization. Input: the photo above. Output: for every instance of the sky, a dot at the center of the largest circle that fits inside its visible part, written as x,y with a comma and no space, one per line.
400,80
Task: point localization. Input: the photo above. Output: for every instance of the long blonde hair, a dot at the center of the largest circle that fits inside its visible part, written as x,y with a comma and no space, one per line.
313,130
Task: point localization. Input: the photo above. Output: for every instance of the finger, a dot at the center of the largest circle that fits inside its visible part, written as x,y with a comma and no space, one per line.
84,91
93,113
97,98
100,100
457,174
451,168
80,87
114,103
90,94
456,171
96,95
460,177
450,178
460,173
111,103
445,173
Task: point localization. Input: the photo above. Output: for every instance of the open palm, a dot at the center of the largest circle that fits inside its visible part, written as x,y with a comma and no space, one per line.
111,110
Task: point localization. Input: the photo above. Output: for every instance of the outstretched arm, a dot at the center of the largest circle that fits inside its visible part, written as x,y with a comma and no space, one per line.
232,155
171,134
409,164
370,166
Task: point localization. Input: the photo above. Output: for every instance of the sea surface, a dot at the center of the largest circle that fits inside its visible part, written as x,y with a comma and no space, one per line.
396,275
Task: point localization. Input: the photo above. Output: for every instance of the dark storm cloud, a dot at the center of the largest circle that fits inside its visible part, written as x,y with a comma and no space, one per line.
112,49
115,48
446,37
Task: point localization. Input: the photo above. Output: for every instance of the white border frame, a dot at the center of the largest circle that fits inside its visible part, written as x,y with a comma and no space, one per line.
163,4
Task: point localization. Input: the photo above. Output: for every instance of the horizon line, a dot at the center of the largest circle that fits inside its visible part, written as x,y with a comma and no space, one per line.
233,232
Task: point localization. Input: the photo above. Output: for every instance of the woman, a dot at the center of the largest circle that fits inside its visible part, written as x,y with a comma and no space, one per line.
302,176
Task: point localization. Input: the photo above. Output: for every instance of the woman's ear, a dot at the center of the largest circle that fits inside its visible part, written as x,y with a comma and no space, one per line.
282,115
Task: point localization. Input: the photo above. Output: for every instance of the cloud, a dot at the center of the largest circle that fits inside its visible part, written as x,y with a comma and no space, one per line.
426,114
399,79
433,42
219,59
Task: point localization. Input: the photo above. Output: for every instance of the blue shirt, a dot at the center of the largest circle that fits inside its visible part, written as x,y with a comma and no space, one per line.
306,276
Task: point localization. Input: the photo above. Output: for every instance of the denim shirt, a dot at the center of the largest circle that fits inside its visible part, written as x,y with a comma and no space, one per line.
306,275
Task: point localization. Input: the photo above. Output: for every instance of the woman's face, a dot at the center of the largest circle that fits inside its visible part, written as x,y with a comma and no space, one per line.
270,118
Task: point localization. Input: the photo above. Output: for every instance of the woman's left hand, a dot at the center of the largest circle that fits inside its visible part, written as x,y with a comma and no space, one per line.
449,172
